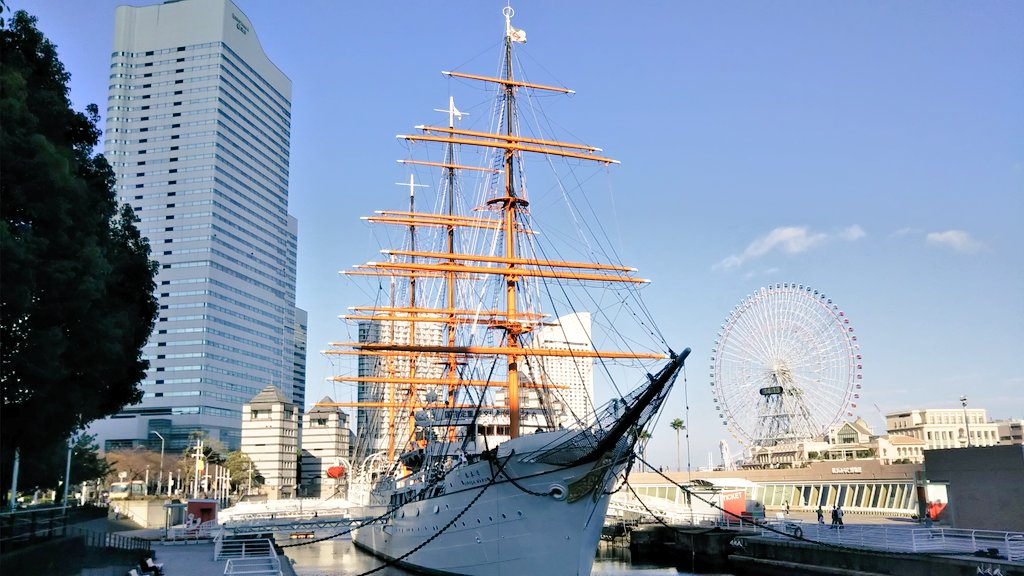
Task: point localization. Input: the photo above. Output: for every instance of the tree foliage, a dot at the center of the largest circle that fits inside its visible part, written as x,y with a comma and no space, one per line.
677,425
77,304
133,462
238,464
45,470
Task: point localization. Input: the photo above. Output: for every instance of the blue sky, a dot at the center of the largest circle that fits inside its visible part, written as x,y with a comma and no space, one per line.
872,150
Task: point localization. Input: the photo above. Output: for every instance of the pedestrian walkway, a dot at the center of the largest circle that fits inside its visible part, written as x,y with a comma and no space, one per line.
902,537
178,559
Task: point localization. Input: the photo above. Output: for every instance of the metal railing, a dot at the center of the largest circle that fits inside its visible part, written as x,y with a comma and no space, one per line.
254,566
193,532
258,558
1008,545
110,540
240,547
24,528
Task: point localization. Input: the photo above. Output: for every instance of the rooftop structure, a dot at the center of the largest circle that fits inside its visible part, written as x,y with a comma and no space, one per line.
270,429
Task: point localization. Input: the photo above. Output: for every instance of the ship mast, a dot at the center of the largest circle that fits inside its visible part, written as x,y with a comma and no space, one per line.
451,363
509,205
448,264
412,391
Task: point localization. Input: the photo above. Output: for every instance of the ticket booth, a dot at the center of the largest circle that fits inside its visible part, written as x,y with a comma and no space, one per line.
201,511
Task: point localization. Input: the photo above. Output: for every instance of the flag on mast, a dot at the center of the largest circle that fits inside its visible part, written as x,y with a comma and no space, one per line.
517,35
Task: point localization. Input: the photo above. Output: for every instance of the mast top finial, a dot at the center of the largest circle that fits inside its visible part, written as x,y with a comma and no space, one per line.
513,34
509,13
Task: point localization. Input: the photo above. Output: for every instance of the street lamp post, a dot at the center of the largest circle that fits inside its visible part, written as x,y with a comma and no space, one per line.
159,483
967,425
67,476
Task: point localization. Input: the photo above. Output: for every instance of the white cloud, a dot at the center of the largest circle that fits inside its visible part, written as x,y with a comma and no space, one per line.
957,240
852,233
904,232
788,240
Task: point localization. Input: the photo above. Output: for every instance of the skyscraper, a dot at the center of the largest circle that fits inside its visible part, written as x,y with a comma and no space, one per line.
198,131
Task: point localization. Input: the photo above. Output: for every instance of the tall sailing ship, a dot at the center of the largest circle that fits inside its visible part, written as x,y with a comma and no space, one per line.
480,450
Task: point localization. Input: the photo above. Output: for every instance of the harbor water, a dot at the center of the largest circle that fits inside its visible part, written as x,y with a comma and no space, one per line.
341,558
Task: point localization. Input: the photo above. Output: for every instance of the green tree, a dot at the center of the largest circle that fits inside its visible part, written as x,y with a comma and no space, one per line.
77,303
45,470
677,425
645,438
239,464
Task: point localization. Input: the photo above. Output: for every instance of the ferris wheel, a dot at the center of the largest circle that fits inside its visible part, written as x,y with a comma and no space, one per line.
785,367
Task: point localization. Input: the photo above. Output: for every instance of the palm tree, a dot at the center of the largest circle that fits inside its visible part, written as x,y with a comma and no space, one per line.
677,425
644,438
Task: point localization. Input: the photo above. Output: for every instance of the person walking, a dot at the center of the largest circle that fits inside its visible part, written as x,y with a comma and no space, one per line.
839,515
117,512
785,507
835,518
821,515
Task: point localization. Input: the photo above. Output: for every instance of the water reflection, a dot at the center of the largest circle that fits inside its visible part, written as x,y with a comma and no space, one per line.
341,558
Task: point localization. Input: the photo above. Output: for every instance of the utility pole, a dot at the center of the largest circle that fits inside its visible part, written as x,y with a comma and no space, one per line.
199,468
13,501
159,483
67,476
967,426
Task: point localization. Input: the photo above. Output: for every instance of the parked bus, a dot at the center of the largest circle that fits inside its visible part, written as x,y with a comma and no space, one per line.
127,490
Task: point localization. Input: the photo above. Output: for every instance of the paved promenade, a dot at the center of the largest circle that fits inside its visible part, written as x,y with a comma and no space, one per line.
192,559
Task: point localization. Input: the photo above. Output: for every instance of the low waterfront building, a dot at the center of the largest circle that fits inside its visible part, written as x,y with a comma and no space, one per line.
944,427
861,487
841,442
325,445
270,426
899,449
983,485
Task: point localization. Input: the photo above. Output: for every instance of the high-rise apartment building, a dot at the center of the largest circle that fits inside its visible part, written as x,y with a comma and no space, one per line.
198,131
574,377
373,424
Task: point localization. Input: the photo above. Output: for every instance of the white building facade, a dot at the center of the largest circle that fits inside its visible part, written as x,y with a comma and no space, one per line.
1010,431
270,436
198,132
572,377
944,427
325,445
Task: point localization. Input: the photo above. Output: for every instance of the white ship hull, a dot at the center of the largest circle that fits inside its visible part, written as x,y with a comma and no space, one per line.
507,530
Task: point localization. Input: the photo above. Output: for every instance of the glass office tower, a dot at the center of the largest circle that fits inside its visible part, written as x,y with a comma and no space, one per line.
198,131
